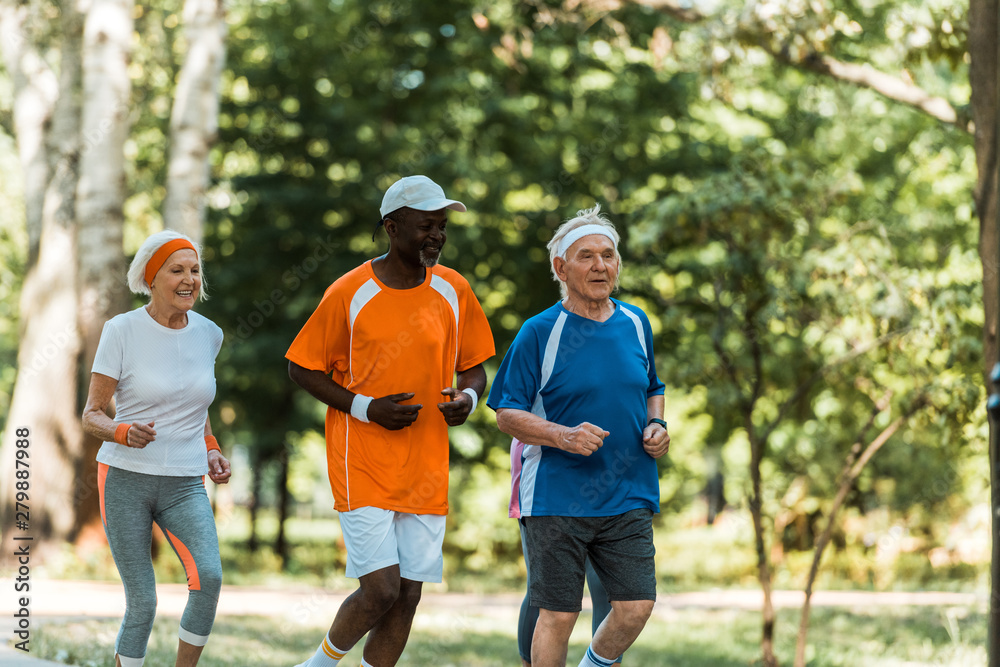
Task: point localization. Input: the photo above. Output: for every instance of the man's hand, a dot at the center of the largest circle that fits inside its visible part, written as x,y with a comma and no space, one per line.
389,412
655,440
219,469
457,410
584,439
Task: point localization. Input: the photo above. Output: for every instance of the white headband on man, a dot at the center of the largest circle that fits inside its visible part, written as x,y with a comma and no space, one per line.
578,233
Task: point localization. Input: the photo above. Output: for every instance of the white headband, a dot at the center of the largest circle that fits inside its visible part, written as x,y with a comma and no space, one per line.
580,232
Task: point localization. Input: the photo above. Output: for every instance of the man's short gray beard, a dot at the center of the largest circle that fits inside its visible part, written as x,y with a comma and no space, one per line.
427,262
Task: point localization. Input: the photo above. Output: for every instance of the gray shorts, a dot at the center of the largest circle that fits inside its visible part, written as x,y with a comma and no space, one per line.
620,549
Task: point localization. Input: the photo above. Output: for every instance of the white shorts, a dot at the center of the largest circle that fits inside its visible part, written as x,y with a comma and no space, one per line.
378,538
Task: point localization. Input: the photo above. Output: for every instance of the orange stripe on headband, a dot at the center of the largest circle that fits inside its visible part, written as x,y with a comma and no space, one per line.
161,255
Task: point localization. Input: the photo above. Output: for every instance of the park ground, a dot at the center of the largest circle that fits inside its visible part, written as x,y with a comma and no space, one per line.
75,622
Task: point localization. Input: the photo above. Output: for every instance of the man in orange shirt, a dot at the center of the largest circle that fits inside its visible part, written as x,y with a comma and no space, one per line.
387,339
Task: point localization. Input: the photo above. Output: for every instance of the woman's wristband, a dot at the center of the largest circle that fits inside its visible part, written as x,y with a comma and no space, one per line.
211,443
475,399
121,434
359,407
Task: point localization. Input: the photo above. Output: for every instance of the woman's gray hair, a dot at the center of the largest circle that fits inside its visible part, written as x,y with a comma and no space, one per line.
137,269
587,216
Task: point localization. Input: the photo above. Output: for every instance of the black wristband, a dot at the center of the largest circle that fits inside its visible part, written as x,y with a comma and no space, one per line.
654,420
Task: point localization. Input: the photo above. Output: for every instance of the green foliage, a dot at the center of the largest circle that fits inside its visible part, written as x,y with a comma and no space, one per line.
801,245
817,271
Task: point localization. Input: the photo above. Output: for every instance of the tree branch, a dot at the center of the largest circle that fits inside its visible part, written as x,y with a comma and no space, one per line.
894,88
820,372
727,363
860,75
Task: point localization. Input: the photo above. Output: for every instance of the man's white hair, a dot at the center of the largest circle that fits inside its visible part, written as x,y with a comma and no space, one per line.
137,269
587,216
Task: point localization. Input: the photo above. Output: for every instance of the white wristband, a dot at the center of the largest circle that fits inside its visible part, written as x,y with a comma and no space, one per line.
359,407
475,399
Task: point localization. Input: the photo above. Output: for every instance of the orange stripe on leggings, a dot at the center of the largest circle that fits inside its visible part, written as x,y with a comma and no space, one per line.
102,477
190,568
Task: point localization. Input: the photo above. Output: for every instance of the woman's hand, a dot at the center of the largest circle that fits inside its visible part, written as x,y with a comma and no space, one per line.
219,470
140,435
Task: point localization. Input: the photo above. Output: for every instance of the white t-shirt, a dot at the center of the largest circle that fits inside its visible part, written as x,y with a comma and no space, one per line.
166,376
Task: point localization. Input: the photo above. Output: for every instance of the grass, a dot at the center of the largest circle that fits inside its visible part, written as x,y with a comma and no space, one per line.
486,638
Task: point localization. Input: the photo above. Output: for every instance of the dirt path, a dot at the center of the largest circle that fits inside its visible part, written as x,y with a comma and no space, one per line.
73,599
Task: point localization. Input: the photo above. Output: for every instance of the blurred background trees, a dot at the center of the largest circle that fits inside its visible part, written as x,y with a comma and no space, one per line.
794,183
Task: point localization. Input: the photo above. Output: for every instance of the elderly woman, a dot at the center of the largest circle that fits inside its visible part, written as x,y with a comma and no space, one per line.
578,392
158,362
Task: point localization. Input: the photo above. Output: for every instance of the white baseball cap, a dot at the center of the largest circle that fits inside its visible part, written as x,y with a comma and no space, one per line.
417,192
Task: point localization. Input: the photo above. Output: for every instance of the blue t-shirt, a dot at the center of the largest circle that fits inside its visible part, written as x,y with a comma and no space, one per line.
569,369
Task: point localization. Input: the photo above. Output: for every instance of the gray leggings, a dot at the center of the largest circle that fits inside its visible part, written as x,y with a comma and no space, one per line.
130,503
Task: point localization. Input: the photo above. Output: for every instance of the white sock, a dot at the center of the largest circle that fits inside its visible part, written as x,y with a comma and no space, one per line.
365,663
327,655
591,659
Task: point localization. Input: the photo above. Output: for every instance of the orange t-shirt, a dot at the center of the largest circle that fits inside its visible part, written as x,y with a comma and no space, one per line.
376,341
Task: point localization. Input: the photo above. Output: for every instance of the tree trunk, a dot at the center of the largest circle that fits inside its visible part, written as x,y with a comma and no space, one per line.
763,565
44,403
255,486
984,76
36,89
103,294
194,118
715,492
280,542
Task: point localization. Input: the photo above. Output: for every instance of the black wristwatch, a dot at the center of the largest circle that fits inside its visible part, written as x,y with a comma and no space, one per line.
654,420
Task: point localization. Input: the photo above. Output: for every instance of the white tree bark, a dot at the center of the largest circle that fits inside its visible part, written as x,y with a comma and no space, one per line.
36,90
100,194
194,117
101,190
45,395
